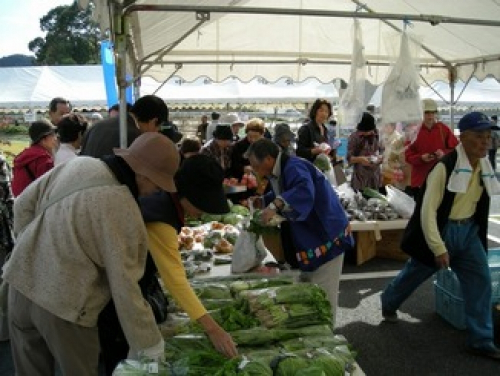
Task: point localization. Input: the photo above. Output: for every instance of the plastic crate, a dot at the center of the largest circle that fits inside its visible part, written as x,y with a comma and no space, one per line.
494,264
448,281
450,307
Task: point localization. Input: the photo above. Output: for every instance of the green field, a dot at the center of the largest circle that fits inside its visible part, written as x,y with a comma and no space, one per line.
12,145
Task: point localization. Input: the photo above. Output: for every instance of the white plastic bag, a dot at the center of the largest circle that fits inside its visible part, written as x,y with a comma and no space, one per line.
352,103
403,204
400,94
249,251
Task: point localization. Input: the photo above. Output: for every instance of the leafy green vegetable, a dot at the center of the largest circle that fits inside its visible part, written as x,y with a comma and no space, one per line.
295,315
311,371
238,286
254,337
231,318
243,367
212,291
322,162
206,218
289,366
305,293
240,209
231,236
212,238
322,341
258,227
232,219
372,193
199,363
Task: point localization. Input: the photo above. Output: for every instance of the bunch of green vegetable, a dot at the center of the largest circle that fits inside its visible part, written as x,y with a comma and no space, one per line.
322,162
289,365
232,318
244,367
198,363
263,336
322,341
212,291
237,286
304,293
295,315
240,209
257,226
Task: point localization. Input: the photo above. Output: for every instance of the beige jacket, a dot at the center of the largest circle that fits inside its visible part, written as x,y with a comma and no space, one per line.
82,250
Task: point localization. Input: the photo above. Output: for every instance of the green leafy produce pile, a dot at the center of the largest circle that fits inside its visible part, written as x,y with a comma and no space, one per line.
281,328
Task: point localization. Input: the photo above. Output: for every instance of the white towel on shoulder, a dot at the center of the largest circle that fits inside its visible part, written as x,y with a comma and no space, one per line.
460,177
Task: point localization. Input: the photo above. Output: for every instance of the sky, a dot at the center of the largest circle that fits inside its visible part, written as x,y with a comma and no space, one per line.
20,23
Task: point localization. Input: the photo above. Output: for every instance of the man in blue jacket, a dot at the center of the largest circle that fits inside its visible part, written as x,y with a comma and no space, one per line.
318,225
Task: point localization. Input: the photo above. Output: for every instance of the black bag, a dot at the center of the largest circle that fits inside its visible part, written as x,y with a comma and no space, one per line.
153,292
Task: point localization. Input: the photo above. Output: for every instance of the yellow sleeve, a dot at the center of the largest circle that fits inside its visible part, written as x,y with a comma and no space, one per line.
163,246
432,199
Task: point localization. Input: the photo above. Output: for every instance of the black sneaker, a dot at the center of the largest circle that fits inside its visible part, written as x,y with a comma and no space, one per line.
488,351
390,316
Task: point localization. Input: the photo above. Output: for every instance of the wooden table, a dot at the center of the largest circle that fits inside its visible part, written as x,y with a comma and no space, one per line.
378,239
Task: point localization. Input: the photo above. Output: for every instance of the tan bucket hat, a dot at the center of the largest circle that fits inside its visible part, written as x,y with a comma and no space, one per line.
154,156
429,105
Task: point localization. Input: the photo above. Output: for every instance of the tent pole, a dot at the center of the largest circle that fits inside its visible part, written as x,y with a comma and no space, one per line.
121,72
432,19
452,77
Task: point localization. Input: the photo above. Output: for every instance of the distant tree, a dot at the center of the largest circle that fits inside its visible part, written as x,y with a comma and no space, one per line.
16,61
72,37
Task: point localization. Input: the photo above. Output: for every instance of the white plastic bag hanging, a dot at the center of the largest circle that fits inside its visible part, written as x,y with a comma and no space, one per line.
352,103
400,95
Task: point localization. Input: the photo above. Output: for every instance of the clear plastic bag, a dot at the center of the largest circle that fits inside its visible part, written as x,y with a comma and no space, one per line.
403,204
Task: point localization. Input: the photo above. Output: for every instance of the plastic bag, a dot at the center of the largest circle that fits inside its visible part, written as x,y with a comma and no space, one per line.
403,204
400,94
352,103
249,251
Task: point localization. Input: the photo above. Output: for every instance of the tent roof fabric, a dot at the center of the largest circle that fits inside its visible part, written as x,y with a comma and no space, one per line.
26,88
250,45
32,88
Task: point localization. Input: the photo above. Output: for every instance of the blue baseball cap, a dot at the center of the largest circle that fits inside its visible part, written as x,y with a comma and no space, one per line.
474,121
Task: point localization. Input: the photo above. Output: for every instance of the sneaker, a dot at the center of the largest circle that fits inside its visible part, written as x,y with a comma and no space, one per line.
390,316
488,351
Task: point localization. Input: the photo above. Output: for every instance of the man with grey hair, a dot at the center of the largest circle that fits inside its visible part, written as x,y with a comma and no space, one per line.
316,232
448,229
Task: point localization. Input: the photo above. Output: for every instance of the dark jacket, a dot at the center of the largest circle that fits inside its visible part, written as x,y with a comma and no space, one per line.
238,161
308,134
103,136
413,242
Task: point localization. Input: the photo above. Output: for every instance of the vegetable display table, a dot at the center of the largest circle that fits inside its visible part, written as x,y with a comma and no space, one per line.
378,239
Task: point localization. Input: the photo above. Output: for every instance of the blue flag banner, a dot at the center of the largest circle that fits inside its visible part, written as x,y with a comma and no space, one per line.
108,68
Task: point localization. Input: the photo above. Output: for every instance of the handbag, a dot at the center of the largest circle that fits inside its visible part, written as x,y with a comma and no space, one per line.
153,292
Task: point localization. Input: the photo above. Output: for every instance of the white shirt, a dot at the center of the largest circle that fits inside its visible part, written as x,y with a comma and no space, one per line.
65,153
211,128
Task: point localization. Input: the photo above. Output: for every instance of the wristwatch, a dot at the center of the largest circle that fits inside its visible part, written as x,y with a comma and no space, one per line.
272,206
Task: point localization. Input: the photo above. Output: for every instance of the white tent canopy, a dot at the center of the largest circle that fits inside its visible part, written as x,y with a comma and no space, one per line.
32,88
481,95
459,36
